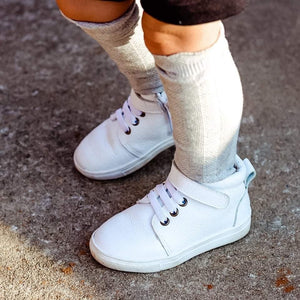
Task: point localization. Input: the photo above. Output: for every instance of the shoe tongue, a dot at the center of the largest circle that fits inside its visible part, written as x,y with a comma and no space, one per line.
146,200
146,103
197,191
151,97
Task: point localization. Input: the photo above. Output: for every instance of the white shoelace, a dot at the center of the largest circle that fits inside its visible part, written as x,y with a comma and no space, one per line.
127,114
166,195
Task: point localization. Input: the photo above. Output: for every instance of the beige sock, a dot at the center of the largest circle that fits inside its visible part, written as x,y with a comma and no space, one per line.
123,40
205,99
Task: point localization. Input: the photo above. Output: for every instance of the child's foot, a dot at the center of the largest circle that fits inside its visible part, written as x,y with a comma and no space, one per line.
176,221
129,139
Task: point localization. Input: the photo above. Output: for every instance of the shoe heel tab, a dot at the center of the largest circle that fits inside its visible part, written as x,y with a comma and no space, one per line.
250,172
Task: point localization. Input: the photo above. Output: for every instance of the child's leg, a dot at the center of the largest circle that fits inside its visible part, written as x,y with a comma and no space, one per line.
117,29
129,139
205,95
96,11
204,202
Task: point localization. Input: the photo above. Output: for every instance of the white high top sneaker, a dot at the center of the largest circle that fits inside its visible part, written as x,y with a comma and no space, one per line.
176,221
129,139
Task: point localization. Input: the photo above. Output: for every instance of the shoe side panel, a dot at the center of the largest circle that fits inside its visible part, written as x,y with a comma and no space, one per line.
153,126
243,210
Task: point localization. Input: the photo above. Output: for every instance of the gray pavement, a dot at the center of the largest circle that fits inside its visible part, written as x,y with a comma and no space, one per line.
56,84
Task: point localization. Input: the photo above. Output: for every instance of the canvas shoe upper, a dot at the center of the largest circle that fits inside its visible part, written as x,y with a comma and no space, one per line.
130,138
177,220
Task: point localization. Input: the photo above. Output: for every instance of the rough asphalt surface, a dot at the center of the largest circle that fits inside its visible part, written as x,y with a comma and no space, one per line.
56,84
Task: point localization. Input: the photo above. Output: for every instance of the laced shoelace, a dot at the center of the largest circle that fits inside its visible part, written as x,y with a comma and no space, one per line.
127,114
165,194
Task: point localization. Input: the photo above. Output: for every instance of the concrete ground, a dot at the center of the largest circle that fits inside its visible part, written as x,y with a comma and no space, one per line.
56,84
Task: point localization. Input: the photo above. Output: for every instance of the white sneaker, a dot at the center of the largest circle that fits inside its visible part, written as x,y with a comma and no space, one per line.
129,139
176,221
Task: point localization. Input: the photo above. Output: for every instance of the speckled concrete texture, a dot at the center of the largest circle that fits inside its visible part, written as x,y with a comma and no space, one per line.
56,84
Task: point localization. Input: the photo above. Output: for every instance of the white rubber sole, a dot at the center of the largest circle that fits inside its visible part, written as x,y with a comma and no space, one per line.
129,167
225,237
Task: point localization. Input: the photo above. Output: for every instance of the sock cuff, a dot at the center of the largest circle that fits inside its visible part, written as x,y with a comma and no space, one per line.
186,64
113,30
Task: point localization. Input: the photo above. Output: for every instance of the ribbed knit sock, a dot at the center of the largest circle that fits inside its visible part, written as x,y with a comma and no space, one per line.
205,99
123,40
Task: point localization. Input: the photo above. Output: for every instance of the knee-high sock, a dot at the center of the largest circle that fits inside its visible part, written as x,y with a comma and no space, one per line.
123,40
205,99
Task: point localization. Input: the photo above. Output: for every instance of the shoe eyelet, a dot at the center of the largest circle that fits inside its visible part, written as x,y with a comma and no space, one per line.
166,222
184,202
174,213
137,121
143,114
128,131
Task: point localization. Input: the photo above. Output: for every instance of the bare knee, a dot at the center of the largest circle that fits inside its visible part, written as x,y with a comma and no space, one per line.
166,39
93,10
